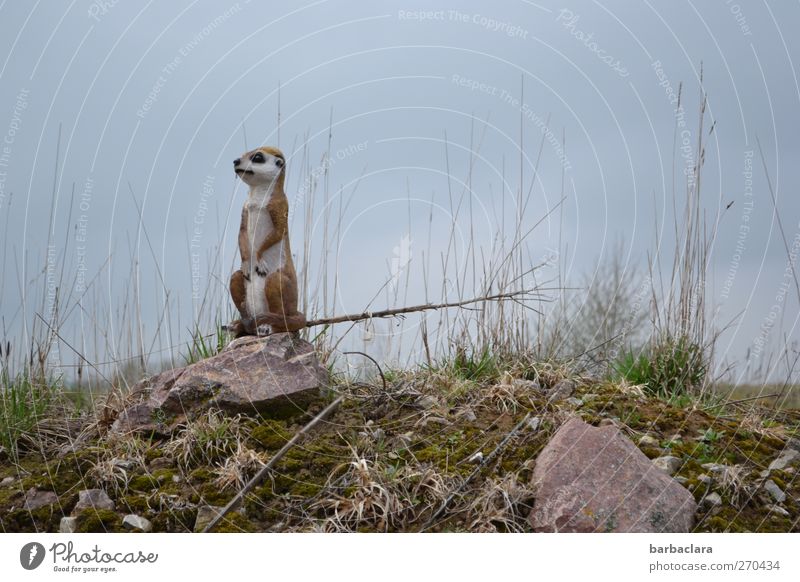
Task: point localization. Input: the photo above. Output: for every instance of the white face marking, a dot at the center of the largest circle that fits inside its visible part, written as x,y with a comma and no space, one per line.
259,168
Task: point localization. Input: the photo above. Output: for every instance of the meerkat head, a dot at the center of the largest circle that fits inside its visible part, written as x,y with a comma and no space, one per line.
263,166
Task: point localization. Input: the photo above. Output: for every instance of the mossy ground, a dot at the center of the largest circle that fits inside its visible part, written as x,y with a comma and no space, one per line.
387,458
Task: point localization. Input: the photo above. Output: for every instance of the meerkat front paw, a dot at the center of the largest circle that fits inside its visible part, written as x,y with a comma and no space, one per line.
246,268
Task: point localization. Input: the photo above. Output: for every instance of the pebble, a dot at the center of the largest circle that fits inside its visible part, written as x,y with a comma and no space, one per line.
705,479
136,522
648,441
668,464
534,423
93,499
779,510
7,481
787,457
68,525
712,500
774,491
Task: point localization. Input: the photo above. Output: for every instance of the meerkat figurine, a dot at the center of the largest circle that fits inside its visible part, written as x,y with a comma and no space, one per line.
264,290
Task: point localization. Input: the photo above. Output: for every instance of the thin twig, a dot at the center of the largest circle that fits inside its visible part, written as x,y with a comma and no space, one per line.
272,462
414,309
477,470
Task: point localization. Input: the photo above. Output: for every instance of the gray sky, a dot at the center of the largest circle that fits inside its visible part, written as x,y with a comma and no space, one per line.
150,100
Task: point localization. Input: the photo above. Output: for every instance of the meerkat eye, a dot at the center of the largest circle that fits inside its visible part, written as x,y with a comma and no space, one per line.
279,162
258,158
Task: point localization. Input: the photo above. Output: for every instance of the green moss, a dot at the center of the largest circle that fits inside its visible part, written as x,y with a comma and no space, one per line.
270,434
98,521
142,483
235,522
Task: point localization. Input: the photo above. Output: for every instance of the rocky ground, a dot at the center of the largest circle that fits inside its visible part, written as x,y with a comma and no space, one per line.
519,446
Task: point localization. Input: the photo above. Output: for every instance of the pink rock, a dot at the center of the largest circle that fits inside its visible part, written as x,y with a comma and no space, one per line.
592,479
250,375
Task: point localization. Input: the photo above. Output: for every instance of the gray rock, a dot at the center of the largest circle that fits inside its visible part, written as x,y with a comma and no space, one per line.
468,414
716,468
793,444
35,499
668,464
68,525
574,402
705,479
136,522
252,374
774,491
534,423
711,501
205,514
7,481
427,402
595,479
682,480
779,510
93,499
786,458
561,391
648,441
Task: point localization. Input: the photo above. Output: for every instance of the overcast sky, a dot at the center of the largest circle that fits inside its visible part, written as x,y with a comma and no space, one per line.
127,109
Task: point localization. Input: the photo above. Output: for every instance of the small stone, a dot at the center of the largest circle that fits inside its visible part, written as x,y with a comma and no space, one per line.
204,516
715,467
35,499
68,525
703,478
793,444
534,423
648,441
682,480
609,422
589,397
136,522
469,415
476,458
93,499
712,500
7,481
427,402
774,491
787,457
779,510
675,439
161,463
668,464
379,434
574,402
562,390
177,479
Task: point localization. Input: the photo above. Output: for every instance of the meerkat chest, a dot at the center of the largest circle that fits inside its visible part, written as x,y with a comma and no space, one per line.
259,227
